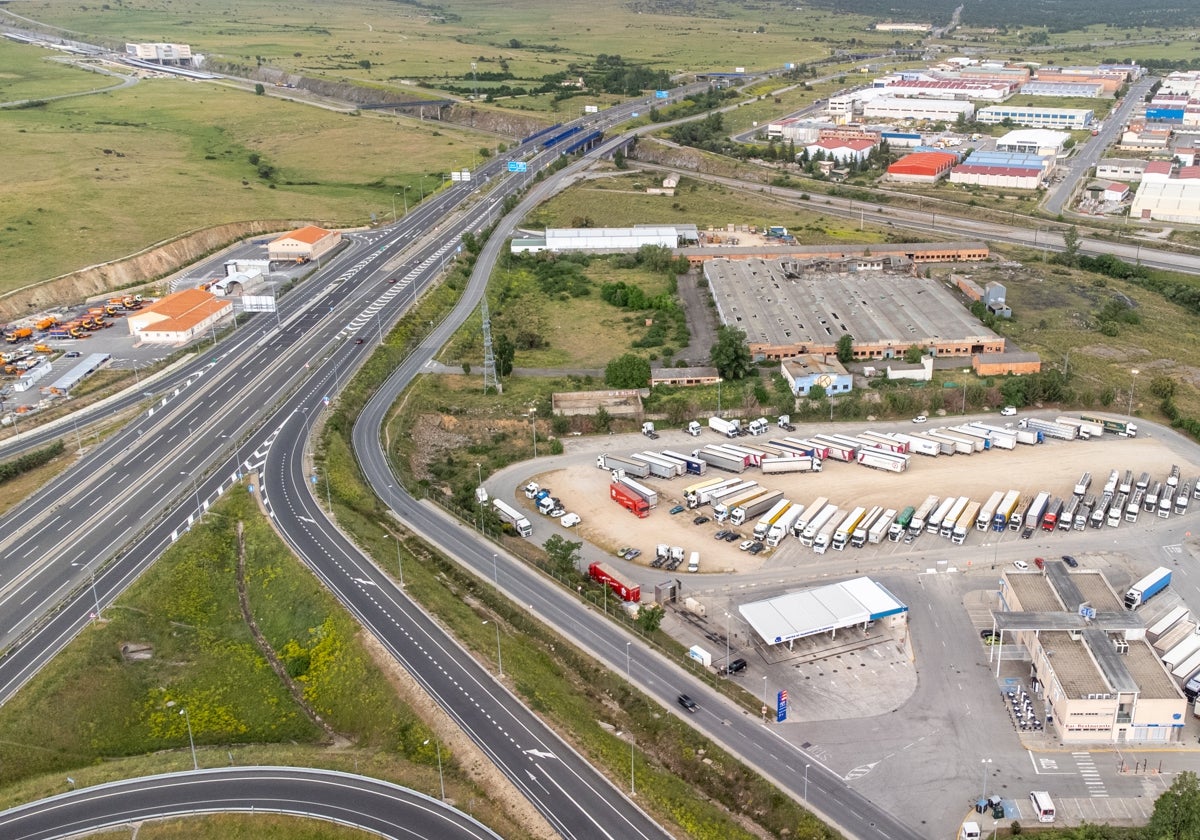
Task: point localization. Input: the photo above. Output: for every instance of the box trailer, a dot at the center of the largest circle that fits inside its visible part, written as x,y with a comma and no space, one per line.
1174,636
786,449
513,517
809,535
810,513
1001,437
642,490
839,451
1049,428
952,516
743,513
987,511
845,530
691,490
960,445
775,466
818,450
1161,627
1006,509
1017,521
880,459
1182,651
657,466
699,494
783,526
965,524
920,518
763,525
1147,588
728,491
629,500
879,530
723,507
1087,430
898,528
863,529
637,469
717,459
934,525
921,445
978,434
1029,437
825,536
1187,667
754,457
625,590
877,440
726,428
692,464
1112,425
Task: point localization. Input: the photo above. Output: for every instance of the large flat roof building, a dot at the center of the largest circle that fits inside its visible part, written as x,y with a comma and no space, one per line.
791,308
608,240
1036,116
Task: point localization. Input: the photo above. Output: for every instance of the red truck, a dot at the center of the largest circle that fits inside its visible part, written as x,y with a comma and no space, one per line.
604,574
629,500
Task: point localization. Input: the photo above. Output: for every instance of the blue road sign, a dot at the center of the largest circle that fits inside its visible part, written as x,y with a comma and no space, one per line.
781,706
635,114
660,94
517,166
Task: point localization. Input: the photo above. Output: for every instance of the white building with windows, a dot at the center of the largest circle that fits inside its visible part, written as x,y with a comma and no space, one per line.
160,53
917,108
1033,142
1037,116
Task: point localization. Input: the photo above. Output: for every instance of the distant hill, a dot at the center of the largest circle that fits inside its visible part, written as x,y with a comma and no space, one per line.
1056,15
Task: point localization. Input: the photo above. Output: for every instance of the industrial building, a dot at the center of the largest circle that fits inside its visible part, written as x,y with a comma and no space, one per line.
804,373
682,377
1167,200
988,91
179,317
842,151
1078,90
1120,169
824,609
922,167
917,108
1090,663
1036,116
307,243
1006,364
791,308
607,240
995,174
172,54
1033,141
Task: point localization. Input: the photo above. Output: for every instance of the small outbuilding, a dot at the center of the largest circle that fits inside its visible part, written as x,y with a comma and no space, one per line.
178,318
308,243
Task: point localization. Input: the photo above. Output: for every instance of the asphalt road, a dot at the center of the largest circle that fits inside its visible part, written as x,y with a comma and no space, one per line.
378,807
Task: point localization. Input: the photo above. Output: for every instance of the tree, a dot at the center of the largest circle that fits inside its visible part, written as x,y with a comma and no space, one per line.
602,419
627,371
1071,245
913,354
259,90
650,618
730,355
505,352
1177,811
564,554
845,348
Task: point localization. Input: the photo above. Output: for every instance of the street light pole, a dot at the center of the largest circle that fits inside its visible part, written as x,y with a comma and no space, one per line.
806,784
1134,371
627,646
495,570
195,489
191,742
985,762
726,644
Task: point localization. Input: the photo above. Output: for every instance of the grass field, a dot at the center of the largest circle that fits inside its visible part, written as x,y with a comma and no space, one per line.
28,73
106,175
239,827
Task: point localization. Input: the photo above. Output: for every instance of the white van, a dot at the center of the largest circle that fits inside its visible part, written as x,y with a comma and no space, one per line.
694,562
1043,807
570,520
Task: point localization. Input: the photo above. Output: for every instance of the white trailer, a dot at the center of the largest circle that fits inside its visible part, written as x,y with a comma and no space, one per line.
966,522
816,524
823,538
680,464
721,460
920,518
977,434
1086,427
880,459
948,447
863,529
783,526
1187,667
769,518
880,528
810,513
1001,438
950,520
920,445
658,467
774,466
1033,517
962,445
698,495
513,517
638,469
1049,428
651,496
728,428
934,525
983,519
878,440
1161,627
1182,651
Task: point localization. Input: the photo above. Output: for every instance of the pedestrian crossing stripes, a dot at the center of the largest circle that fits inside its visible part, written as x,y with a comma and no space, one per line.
1090,775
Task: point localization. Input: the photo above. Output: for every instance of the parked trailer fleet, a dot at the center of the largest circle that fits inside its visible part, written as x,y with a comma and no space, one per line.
957,444
637,469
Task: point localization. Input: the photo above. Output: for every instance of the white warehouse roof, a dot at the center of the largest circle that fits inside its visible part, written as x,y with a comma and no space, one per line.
1044,137
820,610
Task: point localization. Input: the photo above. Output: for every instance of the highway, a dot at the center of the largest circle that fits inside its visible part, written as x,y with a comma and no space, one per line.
379,807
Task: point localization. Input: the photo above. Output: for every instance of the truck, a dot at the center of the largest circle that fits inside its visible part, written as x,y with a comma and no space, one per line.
773,466
1114,478
17,334
785,423
950,520
1002,438
972,432
513,517
966,522
742,514
863,529
783,449
1086,430
721,460
693,428
724,508
816,524
1147,587
1143,481
1017,521
956,444
629,500
880,459
1165,502
1135,505
679,464
1028,437
1083,485
1151,501
692,464
881,527
1196,488
750,456
657,466
1053,510
642,490
845,528
1100,511
610,577
934,524
694,562
692,490
921,445
825,536
810,513
1173,477
875,440
1126,485
1049,428
763,525
1117,427
728,428
919,518
758,427
1066,519
783,526
838,450
898,528
637,469
648,430
1084,513
817,450
1116,511
1181,501
727,492
987,511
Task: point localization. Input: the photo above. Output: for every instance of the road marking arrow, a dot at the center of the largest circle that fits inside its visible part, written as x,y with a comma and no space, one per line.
539,754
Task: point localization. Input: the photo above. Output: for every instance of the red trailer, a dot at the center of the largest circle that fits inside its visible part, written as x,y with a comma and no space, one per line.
601,573
629,500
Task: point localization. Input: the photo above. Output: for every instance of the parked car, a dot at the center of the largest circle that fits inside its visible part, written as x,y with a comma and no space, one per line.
1008,411
736,666
700,520
1070,561
1027,533
687,703
1021,565
570,520
1039,562
73,354
677,509
633,553
732,536
757,548
746,545
622,551
720,535
920,418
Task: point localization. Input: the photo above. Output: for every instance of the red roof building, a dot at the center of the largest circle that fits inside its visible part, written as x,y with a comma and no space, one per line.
922,166
308,243
179,317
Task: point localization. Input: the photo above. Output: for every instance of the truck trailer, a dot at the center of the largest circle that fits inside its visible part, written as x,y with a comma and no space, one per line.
763,525
880,459
838,450
920,518
881,526
1066,518
987,511
724,508
783,525
978,434
1135,505
721,460
1147,587
809,535
1001,437
898,528
692,464
629,500
513,517
698,495
742,514
809,514
934,525
946,529
1116,511
920,445
727,492
723,427
1049,428
1008,506
1054,509
638,469
1111,425
610,577
965,523
825,536
877,440
1083,485
957,445
775,466
863,529
658,467
642,490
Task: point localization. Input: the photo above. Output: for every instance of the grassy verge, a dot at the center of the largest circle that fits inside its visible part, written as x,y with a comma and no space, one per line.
28,73
241,827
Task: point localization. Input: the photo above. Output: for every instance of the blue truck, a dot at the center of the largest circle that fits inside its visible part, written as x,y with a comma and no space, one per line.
1147,588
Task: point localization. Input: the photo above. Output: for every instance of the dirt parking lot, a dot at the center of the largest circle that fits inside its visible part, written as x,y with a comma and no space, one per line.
1054,466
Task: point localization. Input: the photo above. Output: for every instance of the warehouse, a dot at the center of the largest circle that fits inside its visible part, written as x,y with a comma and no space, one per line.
789,308
841,151
948,88
179,317
307,243
922,167
823,609
1007,170
1171,200
607,240
917,108
1079,90
1121,169
1036,116
1033,141
1099,678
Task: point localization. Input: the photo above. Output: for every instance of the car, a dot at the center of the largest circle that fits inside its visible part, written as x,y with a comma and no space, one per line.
73,354
991,638
621,552
1021,565
720,535
1040,562
688,703
700,520
1027,533
1008,411
633,553
745,546
391,279
736,666
757,548
920,418
556,513
983,634
1070,561
732,536
358,341
570,520
677,509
